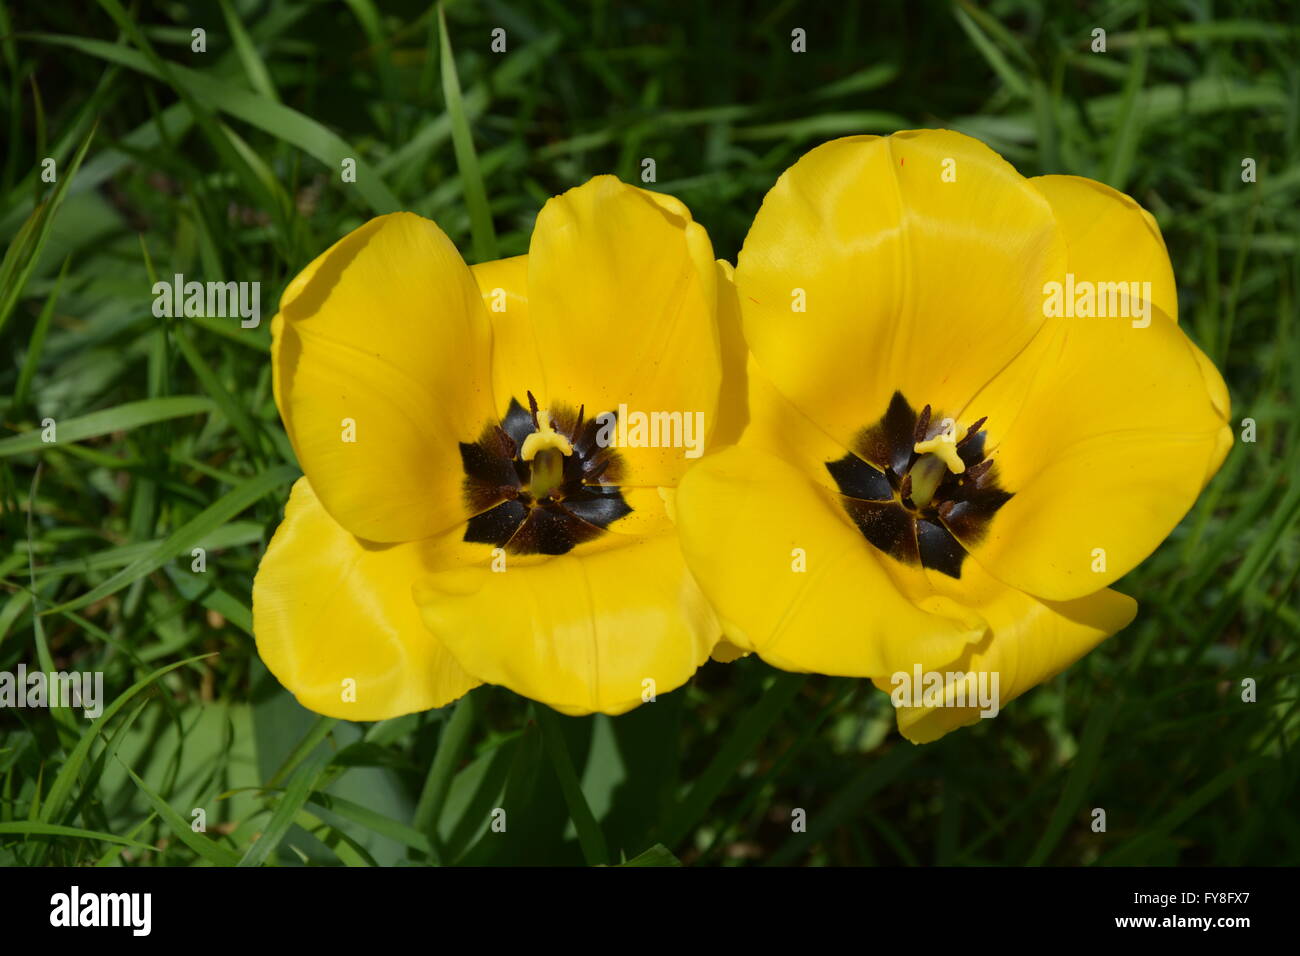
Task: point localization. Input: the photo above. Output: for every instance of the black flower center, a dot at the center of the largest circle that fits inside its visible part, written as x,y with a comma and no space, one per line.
912,497
543,495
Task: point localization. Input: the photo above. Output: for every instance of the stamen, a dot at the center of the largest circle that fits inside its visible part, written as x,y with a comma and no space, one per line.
973,431
922,425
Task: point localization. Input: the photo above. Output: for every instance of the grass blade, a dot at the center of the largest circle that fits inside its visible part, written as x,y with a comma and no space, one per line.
274,118
54,829
590,836
471,177
747,735
120,419
205,847
67,777
291,802
184,537
25,251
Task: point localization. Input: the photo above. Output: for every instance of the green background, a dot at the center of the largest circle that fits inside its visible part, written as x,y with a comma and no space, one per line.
225,165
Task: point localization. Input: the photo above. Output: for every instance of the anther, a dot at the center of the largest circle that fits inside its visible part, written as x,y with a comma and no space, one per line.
973,431
922,425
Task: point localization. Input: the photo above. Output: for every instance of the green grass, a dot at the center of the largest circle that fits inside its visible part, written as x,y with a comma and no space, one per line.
226,165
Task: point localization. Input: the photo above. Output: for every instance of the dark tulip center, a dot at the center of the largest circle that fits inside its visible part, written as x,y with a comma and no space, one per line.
539,481
917,486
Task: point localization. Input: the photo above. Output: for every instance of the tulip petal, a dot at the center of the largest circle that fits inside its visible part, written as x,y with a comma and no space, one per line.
792,578
596,632
385,330
1105,228
1118,429
919,259
724,652
623,295
778,428
1028,642
516,360
329,608
733,405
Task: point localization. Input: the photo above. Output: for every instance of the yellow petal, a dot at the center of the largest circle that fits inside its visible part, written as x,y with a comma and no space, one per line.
909,282
724,652
582,633
776,427
792,578
733,405
1104,432
1028,642
516,361
1105,228
329,609
384,339
779,429
623,295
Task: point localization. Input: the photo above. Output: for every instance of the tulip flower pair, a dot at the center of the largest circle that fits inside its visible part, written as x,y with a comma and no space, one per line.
910,465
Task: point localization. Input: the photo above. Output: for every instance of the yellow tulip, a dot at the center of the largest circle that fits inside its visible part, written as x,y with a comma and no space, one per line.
460,519
943,469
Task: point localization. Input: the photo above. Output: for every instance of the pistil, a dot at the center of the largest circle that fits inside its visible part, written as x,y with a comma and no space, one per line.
545,451
944,446
926,476
547,472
